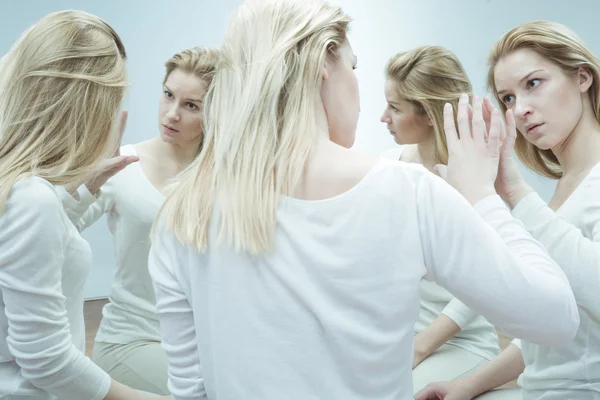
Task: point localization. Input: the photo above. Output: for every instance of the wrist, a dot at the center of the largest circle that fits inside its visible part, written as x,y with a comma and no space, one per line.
516,194
471,387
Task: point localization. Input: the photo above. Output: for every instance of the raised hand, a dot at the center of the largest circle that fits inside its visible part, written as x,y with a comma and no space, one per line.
474,155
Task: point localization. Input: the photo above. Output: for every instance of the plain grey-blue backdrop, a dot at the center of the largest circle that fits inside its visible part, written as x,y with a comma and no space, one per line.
154,30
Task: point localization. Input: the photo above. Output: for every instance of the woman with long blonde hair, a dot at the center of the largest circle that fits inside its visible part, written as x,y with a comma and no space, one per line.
127,344
60,93
451,340
287,266
547,76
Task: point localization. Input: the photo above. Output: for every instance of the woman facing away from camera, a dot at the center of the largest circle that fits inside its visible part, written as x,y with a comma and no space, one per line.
61,87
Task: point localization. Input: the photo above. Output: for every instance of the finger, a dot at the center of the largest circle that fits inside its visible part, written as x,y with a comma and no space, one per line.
471,116
488,108
510,133
511,126
450,127
116,162
497,125
464,130
478,131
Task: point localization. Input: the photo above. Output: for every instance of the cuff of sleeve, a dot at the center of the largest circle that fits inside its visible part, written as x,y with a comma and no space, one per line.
527,206
517,342
488,204
459,313
85,196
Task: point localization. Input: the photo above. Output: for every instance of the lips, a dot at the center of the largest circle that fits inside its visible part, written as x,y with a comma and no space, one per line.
533,126
170,128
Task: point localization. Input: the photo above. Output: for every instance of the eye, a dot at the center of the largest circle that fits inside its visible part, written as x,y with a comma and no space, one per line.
354,66
509,98
191,106
392,107
168,94
532,83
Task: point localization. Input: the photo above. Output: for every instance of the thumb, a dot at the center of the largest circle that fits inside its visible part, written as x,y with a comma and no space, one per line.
441,170
428,393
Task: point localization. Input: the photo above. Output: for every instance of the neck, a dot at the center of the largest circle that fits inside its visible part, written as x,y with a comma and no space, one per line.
581,150
182,156
426,153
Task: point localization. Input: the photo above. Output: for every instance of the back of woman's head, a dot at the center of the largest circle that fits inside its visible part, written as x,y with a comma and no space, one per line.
561,46
260,120
429,77
60,92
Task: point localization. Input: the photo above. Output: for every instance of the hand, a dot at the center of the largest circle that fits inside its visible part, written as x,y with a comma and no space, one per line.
108,168
510,184
105,170
451,390
473,160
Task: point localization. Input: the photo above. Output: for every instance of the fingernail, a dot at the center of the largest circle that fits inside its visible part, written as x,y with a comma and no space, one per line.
476,99
447,107
464,97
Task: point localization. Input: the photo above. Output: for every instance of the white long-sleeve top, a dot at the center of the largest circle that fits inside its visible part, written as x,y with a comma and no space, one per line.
329,313
44,263
477,335
572,237
131,204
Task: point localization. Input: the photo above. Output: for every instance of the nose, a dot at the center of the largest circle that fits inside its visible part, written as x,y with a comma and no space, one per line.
385,118
172,113
522,108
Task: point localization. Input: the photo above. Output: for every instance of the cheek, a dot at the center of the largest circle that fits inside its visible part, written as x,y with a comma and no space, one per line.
565,107
193,126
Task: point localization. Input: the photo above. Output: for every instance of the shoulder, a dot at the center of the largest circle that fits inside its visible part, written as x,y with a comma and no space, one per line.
34,191
34,204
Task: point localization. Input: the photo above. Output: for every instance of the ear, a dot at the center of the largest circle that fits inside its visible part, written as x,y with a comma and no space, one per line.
585,79
429,121
324,73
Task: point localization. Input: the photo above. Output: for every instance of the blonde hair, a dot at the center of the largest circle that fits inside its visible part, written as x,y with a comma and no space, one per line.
561,46
199,61
429,77
261,122
62,85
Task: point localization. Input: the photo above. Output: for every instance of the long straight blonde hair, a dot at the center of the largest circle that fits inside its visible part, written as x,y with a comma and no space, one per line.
61,86
429,77
260,122
558,44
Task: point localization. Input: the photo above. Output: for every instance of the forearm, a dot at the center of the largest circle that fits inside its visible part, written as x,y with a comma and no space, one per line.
517,194
442,329
118,391
497,372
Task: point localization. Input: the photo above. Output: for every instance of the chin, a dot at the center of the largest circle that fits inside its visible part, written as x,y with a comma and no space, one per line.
167,139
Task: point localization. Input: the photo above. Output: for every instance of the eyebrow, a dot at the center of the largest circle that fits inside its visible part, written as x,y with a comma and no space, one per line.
187,99
521,80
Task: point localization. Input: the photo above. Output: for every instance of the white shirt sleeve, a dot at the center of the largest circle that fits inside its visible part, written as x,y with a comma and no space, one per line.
185,381
39,337
83,208
458,312
577,255
496,269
